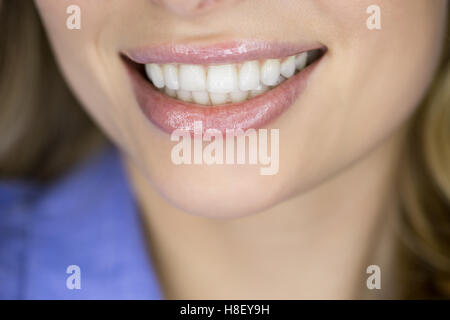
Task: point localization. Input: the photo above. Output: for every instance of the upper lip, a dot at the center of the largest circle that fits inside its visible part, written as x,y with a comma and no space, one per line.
225,52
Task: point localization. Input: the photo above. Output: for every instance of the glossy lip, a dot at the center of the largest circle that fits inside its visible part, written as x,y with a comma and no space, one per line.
170,114
227,52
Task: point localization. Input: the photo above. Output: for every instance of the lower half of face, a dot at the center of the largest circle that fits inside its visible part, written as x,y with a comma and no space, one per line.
325,80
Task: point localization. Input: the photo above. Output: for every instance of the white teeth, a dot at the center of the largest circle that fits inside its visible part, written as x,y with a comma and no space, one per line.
249,76
218,98
300,60
192,77
219,84
222,78
201,97
280,80
171,76
270,72
238,96
184,95
260,90
288,67
155,73
170,92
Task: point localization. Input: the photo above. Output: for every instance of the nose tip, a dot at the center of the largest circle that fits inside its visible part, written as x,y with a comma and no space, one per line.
188,7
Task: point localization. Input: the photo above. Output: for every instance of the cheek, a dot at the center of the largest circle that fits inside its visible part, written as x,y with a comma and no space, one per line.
395,65
369,84
382,74
88,59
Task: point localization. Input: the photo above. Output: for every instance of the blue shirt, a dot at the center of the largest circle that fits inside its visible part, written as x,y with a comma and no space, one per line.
88,219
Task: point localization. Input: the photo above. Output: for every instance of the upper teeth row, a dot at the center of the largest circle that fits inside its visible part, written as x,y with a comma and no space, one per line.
225,78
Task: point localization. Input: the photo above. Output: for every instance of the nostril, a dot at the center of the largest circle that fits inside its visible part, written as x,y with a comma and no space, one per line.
188,7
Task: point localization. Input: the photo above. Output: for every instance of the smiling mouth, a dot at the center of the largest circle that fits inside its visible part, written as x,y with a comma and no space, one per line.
231,86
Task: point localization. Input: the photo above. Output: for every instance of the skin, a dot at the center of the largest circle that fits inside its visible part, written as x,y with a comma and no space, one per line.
340,142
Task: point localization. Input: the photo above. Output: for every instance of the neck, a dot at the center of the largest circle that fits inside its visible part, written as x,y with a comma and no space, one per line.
315,245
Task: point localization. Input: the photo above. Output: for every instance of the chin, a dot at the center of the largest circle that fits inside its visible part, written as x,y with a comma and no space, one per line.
224,194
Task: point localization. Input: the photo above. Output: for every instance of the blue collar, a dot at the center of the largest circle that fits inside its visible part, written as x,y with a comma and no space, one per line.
87,219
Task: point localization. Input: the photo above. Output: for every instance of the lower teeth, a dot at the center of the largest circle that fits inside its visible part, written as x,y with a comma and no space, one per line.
210,98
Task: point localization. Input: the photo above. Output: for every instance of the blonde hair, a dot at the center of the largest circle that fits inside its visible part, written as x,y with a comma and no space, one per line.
44,133
42,129
425,193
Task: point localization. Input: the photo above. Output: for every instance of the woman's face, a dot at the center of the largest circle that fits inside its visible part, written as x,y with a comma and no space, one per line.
328,116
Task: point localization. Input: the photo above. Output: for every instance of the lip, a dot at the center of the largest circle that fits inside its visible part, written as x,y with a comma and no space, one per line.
170,114
227,52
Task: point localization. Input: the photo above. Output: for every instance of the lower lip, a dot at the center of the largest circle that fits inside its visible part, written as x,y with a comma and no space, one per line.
169,114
